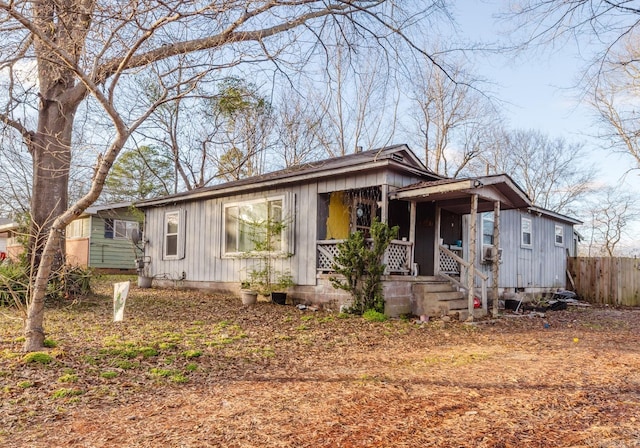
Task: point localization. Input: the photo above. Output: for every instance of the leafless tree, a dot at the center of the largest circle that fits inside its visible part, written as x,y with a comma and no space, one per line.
356,101
451,117
606,33
611,212
301,135
85,51
552,171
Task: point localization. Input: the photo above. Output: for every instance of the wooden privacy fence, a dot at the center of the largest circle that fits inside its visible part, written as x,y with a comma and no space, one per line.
606,280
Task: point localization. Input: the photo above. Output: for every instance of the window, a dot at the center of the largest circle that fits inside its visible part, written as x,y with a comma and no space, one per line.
525,231
559,235
246,225
78,228
124,229
172,224
487,228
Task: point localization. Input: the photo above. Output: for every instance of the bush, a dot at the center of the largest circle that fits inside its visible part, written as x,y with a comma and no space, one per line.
374,316
14,284
67,282
359,262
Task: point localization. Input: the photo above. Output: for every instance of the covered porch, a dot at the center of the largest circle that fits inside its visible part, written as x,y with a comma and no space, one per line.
439,233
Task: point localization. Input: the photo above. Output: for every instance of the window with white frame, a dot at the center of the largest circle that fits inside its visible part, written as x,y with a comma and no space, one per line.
171,234
124,229
78,228
559,237
525,232
487,228
247,223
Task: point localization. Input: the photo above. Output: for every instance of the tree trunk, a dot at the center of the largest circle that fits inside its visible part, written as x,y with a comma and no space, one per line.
51,154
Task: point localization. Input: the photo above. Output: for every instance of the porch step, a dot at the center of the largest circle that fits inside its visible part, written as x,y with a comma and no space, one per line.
438,298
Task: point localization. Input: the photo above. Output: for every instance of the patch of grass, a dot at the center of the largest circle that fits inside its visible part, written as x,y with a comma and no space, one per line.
167,345
50,343
148,352
372,315
179,378
189,354
160,373
191,367
302,327
68,378
37,358
125,364
65,393
306,318
283,337
109,374
25,384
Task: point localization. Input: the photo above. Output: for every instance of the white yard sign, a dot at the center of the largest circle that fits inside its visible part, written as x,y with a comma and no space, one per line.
120,291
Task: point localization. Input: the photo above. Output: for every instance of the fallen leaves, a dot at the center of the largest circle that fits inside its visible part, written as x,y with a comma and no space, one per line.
191,369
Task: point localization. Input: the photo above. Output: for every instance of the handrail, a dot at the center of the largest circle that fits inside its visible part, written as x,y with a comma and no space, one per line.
463,262
466,264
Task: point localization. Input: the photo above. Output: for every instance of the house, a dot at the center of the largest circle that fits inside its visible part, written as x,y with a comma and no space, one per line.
450,247
100,238
4,236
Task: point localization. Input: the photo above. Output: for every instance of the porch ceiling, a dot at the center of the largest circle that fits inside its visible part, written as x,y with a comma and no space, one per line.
454,194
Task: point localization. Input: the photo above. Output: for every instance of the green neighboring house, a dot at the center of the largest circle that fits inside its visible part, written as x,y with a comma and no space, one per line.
100,238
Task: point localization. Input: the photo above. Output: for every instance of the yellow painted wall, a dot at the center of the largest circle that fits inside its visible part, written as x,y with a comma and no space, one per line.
339,217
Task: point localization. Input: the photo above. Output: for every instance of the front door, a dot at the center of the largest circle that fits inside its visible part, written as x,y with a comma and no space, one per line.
425,237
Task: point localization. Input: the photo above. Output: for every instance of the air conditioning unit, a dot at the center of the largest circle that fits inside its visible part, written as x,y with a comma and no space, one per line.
487,254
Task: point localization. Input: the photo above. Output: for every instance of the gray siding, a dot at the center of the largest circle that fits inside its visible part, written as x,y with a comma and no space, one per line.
204,261
542,265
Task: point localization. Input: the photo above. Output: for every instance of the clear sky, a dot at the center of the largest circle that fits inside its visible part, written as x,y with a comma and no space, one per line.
538,87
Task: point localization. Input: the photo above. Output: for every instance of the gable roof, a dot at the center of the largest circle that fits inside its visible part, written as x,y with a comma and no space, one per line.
398,157
454,193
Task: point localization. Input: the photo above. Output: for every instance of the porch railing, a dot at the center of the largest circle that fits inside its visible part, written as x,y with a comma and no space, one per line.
451,265
397,257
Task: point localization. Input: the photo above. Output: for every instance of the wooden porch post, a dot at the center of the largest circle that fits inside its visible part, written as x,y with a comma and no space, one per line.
412,232
471,274
384,213
436,249
495,267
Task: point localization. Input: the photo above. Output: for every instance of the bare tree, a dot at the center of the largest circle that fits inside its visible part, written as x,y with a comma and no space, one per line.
357,101
615,98
84,51
611,211
607,33
301,134
551,171
451,118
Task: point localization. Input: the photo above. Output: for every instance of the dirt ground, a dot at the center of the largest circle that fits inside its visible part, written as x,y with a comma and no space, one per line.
187,369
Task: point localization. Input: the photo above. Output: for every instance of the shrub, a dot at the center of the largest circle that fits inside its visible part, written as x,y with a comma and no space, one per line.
374,316
359,262
14,284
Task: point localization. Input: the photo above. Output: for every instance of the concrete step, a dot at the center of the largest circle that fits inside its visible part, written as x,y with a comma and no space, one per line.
425,288
444,296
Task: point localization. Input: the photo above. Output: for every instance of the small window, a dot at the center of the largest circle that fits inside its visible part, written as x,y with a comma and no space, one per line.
124,229
78,229
171,234
559,235
247,223
525,231
487,228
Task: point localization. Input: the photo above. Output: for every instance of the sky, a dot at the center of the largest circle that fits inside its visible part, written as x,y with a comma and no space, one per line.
538,88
